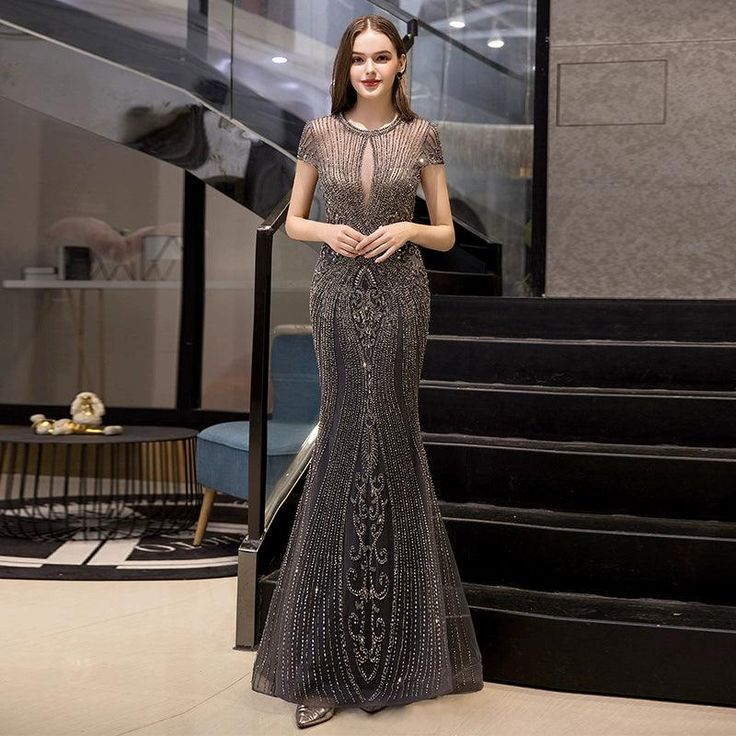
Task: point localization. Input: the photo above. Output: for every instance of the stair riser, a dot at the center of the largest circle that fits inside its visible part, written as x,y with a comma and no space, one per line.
680,488
626,565
587,319
584,417
447,282
460,259
641,661
560,364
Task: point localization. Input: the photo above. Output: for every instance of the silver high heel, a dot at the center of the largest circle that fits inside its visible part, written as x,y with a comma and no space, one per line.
307,715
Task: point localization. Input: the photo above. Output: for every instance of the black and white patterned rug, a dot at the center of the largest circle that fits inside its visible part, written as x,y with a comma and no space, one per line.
155,557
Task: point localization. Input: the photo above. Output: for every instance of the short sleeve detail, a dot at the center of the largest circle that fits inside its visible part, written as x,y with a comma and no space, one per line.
431,147
307,149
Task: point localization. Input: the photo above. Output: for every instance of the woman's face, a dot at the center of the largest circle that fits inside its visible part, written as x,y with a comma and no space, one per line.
374,58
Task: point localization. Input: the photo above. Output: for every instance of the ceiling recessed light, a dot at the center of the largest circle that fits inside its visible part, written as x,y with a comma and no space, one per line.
457,23
496,43
279,59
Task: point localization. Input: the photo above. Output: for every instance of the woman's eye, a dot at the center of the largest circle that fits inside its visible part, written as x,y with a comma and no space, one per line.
382,57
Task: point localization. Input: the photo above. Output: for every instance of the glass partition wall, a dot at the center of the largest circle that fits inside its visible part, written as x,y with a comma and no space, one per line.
259,71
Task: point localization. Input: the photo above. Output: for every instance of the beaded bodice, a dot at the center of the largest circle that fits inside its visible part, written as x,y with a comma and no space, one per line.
369,178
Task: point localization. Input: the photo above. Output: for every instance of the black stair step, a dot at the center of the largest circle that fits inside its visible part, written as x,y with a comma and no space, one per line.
449,282
702,320
602,363
641,416
634,647
574,520
610,555
472,251
657,611
646,480
463,259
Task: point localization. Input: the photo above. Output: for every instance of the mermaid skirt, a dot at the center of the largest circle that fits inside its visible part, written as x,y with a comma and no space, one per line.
368,607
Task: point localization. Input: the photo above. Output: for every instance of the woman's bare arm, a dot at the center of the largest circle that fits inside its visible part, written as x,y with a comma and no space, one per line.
298,227
440,235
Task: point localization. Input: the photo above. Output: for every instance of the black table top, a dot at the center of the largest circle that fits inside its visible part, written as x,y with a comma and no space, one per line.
130,434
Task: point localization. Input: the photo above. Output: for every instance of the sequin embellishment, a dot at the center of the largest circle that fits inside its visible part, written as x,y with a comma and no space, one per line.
367,581
368,606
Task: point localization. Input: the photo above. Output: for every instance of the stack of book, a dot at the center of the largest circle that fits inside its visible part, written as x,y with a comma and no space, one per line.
39,273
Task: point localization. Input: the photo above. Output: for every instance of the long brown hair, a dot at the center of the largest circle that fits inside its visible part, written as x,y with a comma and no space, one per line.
344,95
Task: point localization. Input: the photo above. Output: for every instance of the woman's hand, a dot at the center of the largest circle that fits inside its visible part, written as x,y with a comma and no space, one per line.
342,239
386,240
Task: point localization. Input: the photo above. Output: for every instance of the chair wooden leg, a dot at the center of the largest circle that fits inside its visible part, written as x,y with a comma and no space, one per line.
204,514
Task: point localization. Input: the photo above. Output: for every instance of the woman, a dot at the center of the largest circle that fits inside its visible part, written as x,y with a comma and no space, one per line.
369,610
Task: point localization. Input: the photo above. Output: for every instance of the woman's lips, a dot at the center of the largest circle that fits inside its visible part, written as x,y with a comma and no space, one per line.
372,84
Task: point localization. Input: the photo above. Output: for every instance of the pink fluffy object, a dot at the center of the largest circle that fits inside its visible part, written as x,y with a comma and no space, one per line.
104,239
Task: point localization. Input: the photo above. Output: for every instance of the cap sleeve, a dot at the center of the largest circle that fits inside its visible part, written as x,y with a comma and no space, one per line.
307,149
432,146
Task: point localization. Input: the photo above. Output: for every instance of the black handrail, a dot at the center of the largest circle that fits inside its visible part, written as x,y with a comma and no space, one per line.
258,418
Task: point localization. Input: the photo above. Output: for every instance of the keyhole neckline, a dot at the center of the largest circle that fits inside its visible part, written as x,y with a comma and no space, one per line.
365,131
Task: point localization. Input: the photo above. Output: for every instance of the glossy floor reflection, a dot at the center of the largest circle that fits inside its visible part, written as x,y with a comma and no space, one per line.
157,658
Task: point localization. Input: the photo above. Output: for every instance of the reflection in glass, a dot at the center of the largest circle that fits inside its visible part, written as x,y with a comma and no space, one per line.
294,386
103,329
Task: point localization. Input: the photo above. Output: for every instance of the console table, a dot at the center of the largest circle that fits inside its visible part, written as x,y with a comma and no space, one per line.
97,486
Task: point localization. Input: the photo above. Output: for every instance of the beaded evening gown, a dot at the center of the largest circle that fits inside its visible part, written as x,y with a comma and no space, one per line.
369,607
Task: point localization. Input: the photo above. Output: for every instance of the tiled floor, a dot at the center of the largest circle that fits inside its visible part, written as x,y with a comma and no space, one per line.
157,658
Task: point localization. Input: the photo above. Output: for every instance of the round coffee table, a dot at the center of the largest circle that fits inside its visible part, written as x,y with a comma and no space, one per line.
96,486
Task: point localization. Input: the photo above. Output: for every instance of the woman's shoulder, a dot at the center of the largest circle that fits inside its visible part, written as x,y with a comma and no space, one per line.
319,127
320,121
425,123
423,127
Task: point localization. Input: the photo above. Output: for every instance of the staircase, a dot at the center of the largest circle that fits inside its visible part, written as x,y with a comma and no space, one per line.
474,266
584,455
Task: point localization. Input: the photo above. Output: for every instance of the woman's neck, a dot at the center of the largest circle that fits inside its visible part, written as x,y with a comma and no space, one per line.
372,118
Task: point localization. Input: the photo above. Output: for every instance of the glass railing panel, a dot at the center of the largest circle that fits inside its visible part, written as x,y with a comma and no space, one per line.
481,96
180,42
282,63
486,127
163,19
228,314
293,399
231,224
294,396
503,33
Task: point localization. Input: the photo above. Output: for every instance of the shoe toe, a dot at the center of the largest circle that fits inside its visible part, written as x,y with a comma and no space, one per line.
308,716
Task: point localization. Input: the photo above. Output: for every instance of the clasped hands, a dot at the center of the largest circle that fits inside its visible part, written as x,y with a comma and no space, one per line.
382,242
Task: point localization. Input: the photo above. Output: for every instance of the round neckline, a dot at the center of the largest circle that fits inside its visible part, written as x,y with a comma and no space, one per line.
383,129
